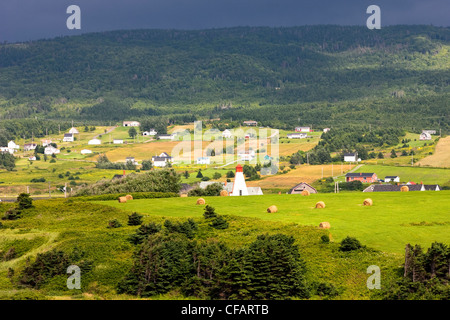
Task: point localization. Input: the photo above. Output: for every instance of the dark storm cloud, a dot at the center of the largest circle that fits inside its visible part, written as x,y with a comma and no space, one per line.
22,20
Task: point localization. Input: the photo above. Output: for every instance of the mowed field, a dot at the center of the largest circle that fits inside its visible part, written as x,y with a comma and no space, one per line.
415,174
441,157
394,220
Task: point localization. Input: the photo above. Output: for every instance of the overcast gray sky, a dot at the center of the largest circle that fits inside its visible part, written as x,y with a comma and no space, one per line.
22,20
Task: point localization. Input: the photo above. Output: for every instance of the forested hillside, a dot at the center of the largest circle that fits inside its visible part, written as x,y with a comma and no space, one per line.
318,75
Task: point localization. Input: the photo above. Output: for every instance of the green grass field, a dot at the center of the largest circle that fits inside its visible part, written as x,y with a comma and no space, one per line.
394,220
417,174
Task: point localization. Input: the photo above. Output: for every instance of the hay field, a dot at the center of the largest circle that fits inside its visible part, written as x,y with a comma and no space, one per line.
441,157
303,173
394,220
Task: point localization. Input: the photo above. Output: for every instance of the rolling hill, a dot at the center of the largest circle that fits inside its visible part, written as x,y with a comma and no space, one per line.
319,75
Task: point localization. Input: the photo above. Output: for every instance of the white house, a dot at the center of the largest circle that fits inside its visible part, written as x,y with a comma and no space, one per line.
74,130
68,137
246,156
326,130
131,124
226,133
94,141
46,142
161,160
49,150
351,157
29,146
425,136
392,179
32,158
297,135
429,131
6,149
204,160
166,136
151,132
302,129
12,145
117,141
86,151
131,159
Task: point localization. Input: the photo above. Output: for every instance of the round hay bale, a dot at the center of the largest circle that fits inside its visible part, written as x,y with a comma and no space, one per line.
183,195
272,209
305,193
320,205
404,189
122,199
324,225
368,202
224,193
201,201
129,197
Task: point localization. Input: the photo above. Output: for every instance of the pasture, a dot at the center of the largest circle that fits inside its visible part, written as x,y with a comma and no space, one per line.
394,220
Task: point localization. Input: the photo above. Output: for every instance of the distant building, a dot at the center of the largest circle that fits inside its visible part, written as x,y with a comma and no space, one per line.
246,156
13,145
251,123
46,142
29,146
397,188
392,179
94,142
49,150
166,136
131,124
425,136
303,129
297,135
86,151
151,132
351,157
68,137
74,131
132,160
117,141
429,131
302,186
363,177
32,158
226,133
326,130
204,160
161,160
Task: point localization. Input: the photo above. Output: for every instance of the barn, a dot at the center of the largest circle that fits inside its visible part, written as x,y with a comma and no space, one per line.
302,186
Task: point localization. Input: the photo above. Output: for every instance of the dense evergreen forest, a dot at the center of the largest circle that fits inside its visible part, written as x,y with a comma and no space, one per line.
316,75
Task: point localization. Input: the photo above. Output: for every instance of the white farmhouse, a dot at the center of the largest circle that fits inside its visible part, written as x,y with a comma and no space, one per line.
226,133
117,141
86,151
392,179
351,157
297,135
204,160
151,132
49,150
68,137
131,124
94,142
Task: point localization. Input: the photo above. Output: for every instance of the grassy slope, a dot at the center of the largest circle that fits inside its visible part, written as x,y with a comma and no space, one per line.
388,225
64,225
441,158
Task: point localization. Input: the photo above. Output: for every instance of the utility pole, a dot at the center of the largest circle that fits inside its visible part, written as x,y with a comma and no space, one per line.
49,192
65,190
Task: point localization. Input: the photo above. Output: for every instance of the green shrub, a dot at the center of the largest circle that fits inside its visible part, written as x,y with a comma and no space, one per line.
114,223
350,244
135,219
219,223
325,239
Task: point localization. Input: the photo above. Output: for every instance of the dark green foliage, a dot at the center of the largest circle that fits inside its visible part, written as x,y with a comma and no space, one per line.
426,274
325,289
135,219
132,132
355,185
50,264
250,172
210,212
219,223
216,175
187,228
114,224
230,174
186,174
325,239
12,214
7,161
146,165
199,174
143,232
136,195
37,180
165,181
24,201
205,178
350,244
269,268
210,191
